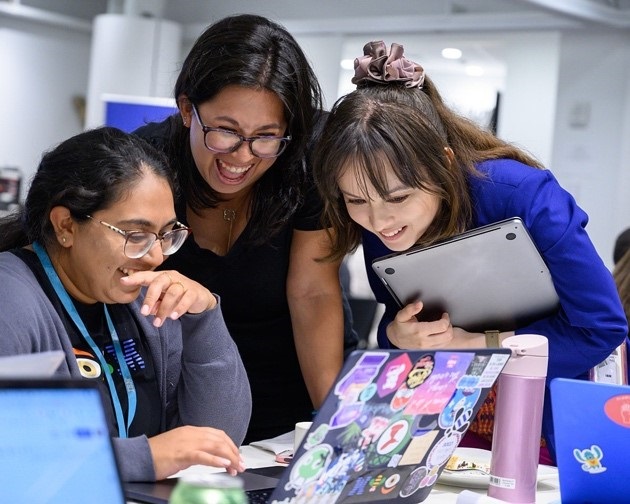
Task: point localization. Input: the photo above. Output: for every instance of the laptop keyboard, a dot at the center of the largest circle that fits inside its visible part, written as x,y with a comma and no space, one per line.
259,496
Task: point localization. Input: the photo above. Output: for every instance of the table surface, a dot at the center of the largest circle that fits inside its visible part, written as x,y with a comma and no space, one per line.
548,489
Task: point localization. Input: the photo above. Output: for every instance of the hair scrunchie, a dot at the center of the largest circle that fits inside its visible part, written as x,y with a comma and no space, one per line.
380,66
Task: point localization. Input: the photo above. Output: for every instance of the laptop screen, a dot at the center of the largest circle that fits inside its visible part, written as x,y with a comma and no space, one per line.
54,444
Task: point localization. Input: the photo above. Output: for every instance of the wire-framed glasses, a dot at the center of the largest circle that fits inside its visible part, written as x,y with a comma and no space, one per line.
138,243
225,141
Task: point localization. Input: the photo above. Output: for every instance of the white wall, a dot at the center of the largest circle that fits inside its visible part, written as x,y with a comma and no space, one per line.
591,155
148,70
42,71
324,54
528,106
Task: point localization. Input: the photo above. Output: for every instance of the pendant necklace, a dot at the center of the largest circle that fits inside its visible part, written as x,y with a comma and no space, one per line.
229,215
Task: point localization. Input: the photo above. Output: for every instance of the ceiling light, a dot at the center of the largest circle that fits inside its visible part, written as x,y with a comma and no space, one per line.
451,53
474,70
347,64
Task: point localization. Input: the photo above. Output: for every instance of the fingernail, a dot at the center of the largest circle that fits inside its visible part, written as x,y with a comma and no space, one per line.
157,322
174,315
145,309
241,467
224,461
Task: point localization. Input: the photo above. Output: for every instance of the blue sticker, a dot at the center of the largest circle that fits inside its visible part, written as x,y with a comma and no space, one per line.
590,458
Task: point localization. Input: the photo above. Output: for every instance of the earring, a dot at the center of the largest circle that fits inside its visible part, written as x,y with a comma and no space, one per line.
185,121
63,239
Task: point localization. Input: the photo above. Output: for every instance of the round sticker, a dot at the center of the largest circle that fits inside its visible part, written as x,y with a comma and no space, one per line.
412,484
617,408
443,450
422,369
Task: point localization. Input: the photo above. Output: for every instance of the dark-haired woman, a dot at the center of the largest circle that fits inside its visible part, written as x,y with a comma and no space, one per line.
248,101
77,268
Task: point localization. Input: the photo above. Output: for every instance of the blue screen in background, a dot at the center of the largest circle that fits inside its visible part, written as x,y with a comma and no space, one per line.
130,116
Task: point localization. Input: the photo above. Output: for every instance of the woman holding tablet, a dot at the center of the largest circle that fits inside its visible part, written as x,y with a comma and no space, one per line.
398,168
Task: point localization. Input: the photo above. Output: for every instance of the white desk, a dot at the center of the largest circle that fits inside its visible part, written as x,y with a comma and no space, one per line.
548,489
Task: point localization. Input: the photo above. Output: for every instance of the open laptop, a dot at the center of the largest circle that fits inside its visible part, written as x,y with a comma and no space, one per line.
489,278
55,447
31,365
386,429
592,430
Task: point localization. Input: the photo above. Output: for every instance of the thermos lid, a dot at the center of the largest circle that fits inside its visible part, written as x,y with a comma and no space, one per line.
530,353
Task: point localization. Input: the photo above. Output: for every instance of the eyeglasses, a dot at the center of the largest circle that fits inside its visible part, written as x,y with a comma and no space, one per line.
224,141
138,243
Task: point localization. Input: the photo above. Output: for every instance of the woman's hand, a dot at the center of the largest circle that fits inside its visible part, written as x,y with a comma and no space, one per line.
179,448
170,294
406,332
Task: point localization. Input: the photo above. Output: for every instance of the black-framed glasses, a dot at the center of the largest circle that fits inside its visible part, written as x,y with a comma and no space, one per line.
225,141
138,243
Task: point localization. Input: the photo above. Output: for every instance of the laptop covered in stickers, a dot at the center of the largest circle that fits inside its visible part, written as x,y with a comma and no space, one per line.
592,430
389,425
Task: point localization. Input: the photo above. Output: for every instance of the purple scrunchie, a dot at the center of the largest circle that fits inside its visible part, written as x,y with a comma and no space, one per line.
376,65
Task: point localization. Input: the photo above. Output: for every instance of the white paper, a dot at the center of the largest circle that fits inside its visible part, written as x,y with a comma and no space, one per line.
280,444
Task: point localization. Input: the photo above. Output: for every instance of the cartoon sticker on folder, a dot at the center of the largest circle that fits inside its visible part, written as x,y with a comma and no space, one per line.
590,458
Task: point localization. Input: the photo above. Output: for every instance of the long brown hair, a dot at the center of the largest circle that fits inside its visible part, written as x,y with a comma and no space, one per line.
383,126
621,273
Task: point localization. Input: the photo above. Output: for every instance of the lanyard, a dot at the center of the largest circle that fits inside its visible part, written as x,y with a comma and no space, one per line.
123,427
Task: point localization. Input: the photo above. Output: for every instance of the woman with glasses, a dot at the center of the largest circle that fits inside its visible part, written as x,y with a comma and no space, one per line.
77,266
248,101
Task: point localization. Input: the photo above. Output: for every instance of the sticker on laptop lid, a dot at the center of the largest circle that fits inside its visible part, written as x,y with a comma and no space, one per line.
617,408
590,458
493,369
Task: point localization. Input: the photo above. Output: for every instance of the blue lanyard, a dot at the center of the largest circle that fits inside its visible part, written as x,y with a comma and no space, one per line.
123,427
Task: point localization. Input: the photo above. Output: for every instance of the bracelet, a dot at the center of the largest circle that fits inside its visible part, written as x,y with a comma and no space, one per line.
492,339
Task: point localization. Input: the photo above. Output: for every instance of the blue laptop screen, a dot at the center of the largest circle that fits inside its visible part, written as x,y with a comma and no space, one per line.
55,447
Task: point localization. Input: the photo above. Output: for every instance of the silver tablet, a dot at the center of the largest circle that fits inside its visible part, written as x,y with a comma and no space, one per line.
491,277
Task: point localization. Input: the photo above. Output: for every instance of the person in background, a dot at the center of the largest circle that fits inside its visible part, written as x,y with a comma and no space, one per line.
397,168
77,267
621,271
622,244
248,104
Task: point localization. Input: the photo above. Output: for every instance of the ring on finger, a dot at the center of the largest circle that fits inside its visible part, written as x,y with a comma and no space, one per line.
179,283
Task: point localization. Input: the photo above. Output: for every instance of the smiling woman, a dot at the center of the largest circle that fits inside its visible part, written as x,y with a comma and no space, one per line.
78,275
249,109
398,168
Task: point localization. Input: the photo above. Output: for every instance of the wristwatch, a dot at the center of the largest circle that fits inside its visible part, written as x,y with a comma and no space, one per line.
492,339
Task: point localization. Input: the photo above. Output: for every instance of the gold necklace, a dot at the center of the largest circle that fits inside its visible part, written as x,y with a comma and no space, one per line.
229,215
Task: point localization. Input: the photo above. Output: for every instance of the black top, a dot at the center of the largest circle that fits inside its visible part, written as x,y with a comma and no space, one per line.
251,280
133,343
